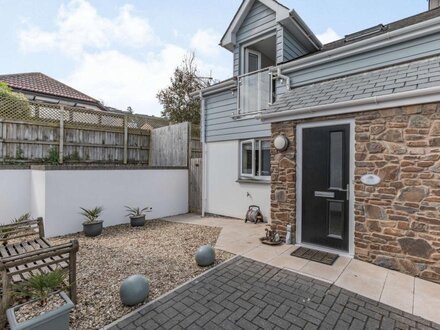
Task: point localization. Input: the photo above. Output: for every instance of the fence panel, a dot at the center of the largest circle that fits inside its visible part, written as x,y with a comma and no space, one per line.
169,145
195,185
40,132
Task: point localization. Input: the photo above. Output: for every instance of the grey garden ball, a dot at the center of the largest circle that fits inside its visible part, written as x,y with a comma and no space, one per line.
205,255
134,290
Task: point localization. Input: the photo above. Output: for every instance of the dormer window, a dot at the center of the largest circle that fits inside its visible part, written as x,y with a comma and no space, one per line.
259,54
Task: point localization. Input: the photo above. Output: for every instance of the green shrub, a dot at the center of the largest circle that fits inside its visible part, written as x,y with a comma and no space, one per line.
13,105
40,286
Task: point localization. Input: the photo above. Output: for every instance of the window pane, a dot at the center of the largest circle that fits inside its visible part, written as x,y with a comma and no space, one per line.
246,158
336,219
336,159
252,62
265,158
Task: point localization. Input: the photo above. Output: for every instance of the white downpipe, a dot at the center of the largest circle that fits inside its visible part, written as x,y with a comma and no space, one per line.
287,78
408,33
204,154
431,94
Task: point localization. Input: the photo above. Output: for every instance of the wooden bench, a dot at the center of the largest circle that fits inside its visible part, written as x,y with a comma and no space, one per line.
25,251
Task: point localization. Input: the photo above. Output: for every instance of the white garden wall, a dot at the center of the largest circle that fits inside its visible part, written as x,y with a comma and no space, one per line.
14,193
224,195
56,195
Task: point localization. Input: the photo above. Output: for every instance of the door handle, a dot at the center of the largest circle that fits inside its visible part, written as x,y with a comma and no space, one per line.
326,194
347,197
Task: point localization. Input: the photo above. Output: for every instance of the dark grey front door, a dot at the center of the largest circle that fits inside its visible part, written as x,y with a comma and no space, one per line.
325,182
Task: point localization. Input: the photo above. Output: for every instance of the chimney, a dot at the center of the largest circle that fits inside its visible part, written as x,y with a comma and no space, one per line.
434,4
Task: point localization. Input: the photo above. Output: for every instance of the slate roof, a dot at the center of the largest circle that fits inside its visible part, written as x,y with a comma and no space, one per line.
390,80
39,83
381,29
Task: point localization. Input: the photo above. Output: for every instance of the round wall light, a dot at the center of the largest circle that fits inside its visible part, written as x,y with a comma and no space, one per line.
281,143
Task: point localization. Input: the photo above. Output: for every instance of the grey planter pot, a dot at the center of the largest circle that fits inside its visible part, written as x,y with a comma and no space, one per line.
57,319
138,221
93,229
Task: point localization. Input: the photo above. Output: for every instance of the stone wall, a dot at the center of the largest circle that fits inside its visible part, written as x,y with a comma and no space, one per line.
397,223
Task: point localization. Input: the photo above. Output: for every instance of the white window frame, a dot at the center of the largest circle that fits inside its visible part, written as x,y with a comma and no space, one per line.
255,143
253,158
246,59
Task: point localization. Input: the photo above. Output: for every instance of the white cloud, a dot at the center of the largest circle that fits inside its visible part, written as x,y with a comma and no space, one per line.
80,27
33,39
328,35
107,54
122,81
205,42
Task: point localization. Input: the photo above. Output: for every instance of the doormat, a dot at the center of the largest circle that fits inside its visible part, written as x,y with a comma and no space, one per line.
315,255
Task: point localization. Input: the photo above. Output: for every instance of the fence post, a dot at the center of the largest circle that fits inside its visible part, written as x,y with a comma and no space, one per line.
125,139
61,152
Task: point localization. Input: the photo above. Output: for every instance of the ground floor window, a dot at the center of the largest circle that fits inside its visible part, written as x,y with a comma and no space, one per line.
255,158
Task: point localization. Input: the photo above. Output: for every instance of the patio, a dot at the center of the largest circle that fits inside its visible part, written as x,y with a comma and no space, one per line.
404,292
247,294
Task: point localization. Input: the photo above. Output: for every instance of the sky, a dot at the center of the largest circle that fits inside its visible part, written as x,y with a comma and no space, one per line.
123,51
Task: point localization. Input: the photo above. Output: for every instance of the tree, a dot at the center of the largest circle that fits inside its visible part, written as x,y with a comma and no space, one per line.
178,105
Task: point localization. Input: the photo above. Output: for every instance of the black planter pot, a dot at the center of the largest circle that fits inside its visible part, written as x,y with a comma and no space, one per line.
138,221
92,229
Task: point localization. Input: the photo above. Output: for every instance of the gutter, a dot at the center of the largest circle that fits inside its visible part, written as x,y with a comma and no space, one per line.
425,95
407,33
226,84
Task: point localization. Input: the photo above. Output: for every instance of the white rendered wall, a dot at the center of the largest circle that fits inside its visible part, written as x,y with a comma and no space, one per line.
56,195
166,191
14,194
37,189
225,196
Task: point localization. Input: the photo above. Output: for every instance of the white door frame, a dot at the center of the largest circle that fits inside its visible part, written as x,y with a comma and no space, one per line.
299,159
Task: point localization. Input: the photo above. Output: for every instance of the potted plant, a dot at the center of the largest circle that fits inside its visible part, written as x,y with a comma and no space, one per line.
47,309
92,226
137,215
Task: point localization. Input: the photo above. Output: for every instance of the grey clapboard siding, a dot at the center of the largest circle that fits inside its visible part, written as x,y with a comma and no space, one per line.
221,127
260,19
411,50
288,48
291,47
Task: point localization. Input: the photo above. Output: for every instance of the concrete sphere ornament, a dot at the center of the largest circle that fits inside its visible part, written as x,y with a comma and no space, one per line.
134,290
205,256
281,143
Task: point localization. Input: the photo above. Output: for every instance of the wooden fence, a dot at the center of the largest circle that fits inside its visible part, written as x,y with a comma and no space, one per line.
170,145
38,132
195,185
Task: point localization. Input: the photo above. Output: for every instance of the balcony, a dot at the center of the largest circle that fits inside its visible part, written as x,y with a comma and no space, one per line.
254,92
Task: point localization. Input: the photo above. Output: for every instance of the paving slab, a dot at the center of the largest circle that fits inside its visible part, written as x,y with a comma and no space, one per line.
259,296
398,290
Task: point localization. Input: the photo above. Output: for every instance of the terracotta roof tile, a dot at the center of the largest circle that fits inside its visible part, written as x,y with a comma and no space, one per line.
40,83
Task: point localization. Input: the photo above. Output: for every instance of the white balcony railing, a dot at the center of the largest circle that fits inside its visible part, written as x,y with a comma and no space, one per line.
254,91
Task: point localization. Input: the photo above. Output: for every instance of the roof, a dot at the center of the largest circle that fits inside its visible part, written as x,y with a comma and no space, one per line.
38,82
283,16
395,79
381,29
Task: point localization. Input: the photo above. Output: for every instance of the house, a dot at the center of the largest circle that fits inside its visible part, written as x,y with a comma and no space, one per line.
341,141
39,87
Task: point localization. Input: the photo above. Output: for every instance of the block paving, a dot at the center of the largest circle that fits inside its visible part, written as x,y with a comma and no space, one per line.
246,294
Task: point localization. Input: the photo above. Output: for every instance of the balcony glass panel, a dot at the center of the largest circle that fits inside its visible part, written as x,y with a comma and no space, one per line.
254,92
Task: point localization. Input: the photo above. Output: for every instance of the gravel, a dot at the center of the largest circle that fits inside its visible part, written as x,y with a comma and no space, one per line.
33,309
161,250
